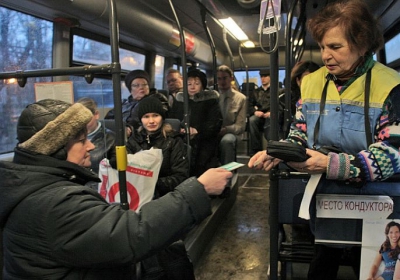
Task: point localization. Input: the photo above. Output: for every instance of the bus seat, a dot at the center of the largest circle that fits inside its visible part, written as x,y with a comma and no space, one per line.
175,123
109,123
163,91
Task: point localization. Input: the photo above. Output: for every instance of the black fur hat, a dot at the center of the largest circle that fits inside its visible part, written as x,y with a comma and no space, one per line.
46,126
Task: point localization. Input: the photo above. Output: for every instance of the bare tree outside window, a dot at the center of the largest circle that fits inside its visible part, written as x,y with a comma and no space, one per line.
25,44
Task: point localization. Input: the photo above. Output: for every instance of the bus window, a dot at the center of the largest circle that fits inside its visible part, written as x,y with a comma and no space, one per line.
27,45
100,90
159,72
254,77
88,51
391,49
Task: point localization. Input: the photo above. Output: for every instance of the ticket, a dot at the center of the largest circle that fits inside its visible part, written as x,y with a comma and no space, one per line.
232,165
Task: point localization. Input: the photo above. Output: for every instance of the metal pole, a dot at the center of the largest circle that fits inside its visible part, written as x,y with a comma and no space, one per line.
287,116
212,45
274,184
186,117
86,70
120,129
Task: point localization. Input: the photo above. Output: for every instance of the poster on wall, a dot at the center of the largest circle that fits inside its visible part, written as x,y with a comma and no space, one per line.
55,90
380,249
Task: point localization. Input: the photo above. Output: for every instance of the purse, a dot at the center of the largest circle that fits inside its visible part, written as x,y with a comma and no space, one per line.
286,151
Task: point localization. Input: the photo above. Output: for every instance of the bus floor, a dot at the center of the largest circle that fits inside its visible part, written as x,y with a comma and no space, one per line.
240,246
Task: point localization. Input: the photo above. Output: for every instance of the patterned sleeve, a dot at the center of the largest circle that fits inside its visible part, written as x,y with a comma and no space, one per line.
382,159
298,129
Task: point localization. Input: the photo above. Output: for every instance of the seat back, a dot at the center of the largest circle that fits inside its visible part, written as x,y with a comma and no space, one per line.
175,123
109,123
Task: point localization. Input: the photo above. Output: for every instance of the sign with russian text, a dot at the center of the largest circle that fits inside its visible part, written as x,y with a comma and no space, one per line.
353,206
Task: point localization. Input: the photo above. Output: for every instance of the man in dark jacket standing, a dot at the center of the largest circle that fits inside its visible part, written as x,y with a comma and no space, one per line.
56,228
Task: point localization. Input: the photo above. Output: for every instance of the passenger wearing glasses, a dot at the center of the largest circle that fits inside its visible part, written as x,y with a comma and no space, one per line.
137,82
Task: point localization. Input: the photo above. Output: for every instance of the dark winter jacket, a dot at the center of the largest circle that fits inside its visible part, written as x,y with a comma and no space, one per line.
128,110
56,228
260,100
205,115
175,165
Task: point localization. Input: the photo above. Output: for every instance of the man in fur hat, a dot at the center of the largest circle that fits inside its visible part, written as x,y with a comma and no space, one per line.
54,227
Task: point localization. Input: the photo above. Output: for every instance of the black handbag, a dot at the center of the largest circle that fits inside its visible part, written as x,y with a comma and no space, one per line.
286,151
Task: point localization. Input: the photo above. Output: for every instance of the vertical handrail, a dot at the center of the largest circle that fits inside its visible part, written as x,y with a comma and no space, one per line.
224,33
247,88
186,118
212,46
287,114
274,184
120,129
246,69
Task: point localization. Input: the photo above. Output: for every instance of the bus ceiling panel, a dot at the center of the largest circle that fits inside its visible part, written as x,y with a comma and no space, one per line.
390,15
190,18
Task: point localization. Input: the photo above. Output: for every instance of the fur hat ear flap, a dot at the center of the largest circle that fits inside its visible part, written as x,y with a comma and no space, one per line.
57,130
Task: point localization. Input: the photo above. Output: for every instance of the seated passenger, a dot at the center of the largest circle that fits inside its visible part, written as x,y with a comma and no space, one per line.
174,84
233,107
259,112
138,83
154,133
53,227
205,120
102,138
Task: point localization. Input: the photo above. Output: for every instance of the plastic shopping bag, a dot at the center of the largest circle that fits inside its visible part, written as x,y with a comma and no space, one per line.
141,178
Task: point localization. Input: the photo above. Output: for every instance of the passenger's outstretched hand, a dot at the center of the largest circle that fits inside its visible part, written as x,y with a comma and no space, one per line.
215,180
262,160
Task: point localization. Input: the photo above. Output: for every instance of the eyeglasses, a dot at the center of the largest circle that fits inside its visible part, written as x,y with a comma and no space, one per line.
139,85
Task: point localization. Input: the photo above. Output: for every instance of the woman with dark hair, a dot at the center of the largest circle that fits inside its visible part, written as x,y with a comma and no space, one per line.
205,121
55,227
387,253
155,133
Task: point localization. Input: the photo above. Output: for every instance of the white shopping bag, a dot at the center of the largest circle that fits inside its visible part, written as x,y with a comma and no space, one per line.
141,177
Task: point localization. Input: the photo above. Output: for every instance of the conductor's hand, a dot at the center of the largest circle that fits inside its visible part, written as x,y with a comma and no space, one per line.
262,160
316,163
214,180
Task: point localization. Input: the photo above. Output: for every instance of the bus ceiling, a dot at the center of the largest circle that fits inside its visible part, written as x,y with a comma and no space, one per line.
150,24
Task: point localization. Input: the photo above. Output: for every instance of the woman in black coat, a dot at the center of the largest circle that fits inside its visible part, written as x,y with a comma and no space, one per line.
205,121
154,133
